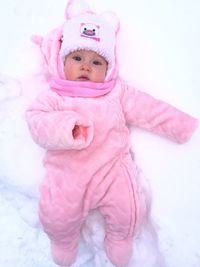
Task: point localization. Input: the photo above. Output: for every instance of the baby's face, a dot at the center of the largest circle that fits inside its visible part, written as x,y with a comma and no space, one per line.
84,65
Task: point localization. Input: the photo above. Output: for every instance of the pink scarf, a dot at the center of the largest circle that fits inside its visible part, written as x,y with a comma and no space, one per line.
81,89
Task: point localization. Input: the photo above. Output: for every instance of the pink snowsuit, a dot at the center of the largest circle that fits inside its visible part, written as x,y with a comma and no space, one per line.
89,166
88,161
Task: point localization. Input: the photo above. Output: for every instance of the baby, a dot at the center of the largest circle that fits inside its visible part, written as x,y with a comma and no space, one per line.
81,120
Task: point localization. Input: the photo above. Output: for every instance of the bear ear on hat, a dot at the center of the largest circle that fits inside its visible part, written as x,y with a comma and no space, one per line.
75,8
112,20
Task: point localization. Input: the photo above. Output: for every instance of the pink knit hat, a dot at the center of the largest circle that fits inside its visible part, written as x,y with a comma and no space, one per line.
87,30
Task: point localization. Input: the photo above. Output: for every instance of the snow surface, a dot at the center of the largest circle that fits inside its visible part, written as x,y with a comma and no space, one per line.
159,53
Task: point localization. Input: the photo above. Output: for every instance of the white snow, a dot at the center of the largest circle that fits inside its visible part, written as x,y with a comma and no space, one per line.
159,53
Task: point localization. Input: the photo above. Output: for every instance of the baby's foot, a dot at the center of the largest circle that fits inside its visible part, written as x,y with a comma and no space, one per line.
63,255
119,251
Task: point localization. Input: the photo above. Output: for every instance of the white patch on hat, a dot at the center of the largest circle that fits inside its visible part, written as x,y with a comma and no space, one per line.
90,30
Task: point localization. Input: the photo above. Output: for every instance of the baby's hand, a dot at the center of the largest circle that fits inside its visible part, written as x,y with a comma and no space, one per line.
79,132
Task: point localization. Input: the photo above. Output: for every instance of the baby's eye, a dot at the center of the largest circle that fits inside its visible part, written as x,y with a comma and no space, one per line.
97,62
77,58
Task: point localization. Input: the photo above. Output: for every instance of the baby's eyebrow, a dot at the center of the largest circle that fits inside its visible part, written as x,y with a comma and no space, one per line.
98,58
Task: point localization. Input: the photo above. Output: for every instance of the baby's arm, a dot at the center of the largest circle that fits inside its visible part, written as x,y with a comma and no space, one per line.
54,129
142,110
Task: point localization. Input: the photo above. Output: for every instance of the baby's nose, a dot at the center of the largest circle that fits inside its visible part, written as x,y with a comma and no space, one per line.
86,66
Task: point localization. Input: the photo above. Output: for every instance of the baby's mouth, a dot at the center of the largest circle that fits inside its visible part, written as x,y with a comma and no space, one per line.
83,78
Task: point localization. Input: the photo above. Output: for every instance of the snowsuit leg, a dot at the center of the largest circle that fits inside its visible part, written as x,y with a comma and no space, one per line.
61,214
121,209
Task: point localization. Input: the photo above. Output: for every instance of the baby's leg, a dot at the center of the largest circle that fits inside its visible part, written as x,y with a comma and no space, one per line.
119,208
60,211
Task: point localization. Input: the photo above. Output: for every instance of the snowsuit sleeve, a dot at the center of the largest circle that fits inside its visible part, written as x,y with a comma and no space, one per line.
55,129
142,110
